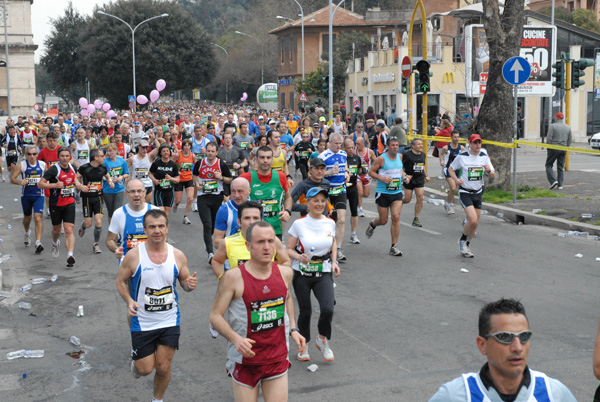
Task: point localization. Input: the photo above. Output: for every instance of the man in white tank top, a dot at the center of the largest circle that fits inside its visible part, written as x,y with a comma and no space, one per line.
80,149
153,268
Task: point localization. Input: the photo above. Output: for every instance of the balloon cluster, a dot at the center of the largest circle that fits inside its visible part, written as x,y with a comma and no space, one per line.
244,97
89,108
154,95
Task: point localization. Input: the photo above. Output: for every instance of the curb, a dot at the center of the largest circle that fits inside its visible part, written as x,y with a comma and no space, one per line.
528,218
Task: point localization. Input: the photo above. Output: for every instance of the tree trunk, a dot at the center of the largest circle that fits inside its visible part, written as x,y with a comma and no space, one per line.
495,120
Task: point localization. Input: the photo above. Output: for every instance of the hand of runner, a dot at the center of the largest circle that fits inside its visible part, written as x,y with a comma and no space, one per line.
119,252
290,183
59,184
191,282
303,259
407,178
300,342
336,269
133,306
459,181
244,346
84,189
284,216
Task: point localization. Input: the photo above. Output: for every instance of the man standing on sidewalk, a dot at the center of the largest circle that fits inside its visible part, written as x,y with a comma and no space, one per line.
558,134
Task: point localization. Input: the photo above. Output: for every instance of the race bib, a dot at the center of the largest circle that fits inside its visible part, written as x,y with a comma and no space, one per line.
270,208
115,171
199,157
68,191
133,240
33,180
82,154
475,173
267,314
159,299
94,187
53,163
419,167
312,266
186,167
353,169
336,190
11,152
165,184
141,173
210,186
278,169
234,172
305,154
244,145
393,185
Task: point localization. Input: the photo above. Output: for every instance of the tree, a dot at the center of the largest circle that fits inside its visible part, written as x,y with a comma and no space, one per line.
175,48
586,19
495,119
560,13
43,82
62,59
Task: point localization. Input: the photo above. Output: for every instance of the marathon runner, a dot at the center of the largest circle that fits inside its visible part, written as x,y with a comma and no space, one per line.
303,150
14,147
279,163
164,174
447,155
416,176
355,168
367,156
185,162
49,155
139,166
227,215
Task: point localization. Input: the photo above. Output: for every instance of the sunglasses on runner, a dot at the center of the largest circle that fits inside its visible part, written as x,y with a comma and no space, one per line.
31,154
507,337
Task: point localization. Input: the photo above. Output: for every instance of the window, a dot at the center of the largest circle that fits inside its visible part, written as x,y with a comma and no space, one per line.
292,101
282,47
292,49
282,101
325,43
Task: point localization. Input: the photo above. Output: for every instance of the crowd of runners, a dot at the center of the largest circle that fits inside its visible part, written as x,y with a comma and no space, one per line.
245,172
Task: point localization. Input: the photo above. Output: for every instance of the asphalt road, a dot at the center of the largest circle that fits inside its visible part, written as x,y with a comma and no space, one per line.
402,325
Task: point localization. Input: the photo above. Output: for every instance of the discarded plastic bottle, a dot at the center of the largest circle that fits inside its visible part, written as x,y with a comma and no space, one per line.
484,212
75,340
37,281
25,305
587,216
537,211
5,258
33,353
443,188
500,215
4,293
578,256
432,196
560,234
15,355
26,287
9,227
54,278
0,279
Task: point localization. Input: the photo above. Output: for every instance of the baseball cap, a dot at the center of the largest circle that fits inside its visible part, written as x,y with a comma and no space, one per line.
261,117
313,192
315,124
559,115
125,114
474,137
322,118
144,143
273,122
317,162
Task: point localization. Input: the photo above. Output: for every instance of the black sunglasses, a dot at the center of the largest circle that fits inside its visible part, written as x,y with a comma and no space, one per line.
507,337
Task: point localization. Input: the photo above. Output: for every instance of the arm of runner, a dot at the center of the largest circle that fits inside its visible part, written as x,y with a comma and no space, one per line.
453,175
291,250
81,187
375,168
281,254
126,271
15,173
188,282
287,205
442,153
229,283
334,264
113,246
218,235
218,261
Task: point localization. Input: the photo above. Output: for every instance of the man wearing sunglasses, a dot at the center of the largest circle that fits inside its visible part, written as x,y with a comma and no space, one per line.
504,338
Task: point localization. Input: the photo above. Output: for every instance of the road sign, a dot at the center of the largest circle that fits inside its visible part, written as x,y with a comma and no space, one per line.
516,70
131,99
37,107
131,105
303,97
406,67
356,104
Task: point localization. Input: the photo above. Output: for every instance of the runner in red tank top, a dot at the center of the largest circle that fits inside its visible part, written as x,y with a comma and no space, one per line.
258,300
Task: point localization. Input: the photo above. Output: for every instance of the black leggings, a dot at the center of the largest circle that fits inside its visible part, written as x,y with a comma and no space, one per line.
208,205
322,287
303,165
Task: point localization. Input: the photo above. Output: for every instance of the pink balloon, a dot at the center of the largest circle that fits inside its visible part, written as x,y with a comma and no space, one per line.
83,103
160,85
154,95
106,107
142,100
98,104
110,114
91,109
84,113
245,95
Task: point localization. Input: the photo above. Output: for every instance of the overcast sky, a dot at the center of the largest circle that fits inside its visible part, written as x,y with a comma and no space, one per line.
42,11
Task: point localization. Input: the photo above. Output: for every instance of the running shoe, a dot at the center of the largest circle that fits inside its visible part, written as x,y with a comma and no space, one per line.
47,214
210,257
81,231
340,256
194,207
452,211
361,213
55,251
395,251
186,221
175,208
354,239
96,248
38,247
464,222
554,185
417,223
213,332
134,371
370,230
27,239
447,208
468,254
70,261
323,346
303,357
462,247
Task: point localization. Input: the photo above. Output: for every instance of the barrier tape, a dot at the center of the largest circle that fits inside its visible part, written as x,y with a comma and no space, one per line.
509,145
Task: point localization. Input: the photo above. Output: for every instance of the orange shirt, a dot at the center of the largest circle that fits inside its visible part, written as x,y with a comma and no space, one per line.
185,165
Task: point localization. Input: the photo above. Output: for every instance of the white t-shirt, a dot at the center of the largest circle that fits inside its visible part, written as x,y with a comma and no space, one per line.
314,233
117,224
472,170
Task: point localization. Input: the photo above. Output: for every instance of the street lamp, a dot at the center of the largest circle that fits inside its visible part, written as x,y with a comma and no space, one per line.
133,38
227,78
331,14
285,18
262,59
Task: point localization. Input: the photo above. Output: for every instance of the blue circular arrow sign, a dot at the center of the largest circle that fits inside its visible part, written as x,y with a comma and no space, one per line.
516,70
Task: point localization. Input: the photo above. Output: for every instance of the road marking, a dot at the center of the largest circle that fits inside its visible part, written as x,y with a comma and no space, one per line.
371,214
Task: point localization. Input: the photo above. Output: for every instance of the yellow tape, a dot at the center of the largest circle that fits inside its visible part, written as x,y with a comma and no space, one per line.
559,147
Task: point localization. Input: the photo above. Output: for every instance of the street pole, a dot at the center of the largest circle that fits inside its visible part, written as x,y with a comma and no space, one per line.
8,98
558,89
331,14
227,78
132,39
302,16
515,133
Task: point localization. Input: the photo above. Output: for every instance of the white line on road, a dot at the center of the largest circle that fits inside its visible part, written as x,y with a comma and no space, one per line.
371,214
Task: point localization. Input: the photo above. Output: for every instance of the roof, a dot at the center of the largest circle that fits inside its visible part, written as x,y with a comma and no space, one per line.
320,18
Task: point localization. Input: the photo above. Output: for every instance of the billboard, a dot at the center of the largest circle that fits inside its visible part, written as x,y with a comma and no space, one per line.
267,96
537,47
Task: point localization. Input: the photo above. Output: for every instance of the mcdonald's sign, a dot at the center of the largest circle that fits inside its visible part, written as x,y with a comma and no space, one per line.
448,76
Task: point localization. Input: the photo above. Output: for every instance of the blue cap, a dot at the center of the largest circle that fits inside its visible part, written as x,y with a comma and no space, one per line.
313,192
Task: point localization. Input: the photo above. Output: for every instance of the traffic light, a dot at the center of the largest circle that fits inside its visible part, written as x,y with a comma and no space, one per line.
325,84
577,72
417,83
404,85
559,74
424,74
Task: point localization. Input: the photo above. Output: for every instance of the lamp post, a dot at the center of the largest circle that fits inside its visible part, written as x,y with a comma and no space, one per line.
331,14
227,78
8,99
262,58
133,38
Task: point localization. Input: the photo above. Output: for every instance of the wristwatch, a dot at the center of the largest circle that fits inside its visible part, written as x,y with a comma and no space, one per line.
294,330
289,211
332,261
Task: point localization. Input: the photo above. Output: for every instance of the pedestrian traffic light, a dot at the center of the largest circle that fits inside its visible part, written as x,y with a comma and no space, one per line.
577,72
424,74
325,84
417,83
559,74
404,85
